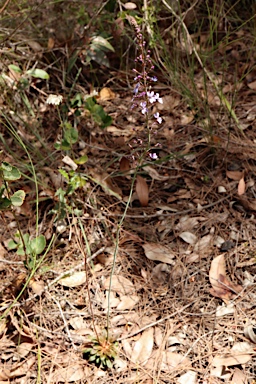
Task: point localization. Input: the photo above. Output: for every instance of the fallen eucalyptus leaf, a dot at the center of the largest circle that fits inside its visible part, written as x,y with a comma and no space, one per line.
158,252
142,191
74,280
143,347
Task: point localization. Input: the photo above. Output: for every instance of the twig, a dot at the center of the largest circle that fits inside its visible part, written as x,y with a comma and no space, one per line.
64,320
155,322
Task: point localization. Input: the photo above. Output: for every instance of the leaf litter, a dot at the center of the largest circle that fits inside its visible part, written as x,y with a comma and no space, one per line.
192,215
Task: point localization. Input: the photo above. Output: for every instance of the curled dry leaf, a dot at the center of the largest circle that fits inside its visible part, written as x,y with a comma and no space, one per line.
142,191
78,278
143,347
158,252
250,332
221,286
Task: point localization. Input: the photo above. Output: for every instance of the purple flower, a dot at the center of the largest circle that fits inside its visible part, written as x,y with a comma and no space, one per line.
154,78
153,156
153,97
144,110
136,88
158,117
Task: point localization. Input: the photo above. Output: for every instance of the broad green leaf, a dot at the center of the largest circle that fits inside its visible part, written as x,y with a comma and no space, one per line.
71,135
17,198
38,244
12,244
81,160
10,173
101,42
15,68
38,73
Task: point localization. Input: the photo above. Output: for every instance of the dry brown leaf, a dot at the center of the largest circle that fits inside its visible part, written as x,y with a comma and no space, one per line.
218,267
169,103
171,360
142,191
221,286
188,237
239,377
158,252
203,244
119,284
252,85
23,349
190,377
250,332
107,184
118,131
235,175
106,94
143,347
154,174
51,43
36,286
23,368
73,373
76,279
241,187
127,302
235,359
124,164
67,160
186,119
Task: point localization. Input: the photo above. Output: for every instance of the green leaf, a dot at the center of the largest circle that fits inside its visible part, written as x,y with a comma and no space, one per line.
108,363
12,244
38,244
17,198
99,41
100,116
38,73
89,104
10,173
81,160
15,68
64,174
71,135
4,203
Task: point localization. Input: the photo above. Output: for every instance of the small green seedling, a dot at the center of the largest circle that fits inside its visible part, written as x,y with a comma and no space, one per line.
33,247
102,351
7,199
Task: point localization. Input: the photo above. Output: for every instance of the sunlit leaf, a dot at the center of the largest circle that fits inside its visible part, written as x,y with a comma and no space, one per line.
38,244
38,73
17,198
